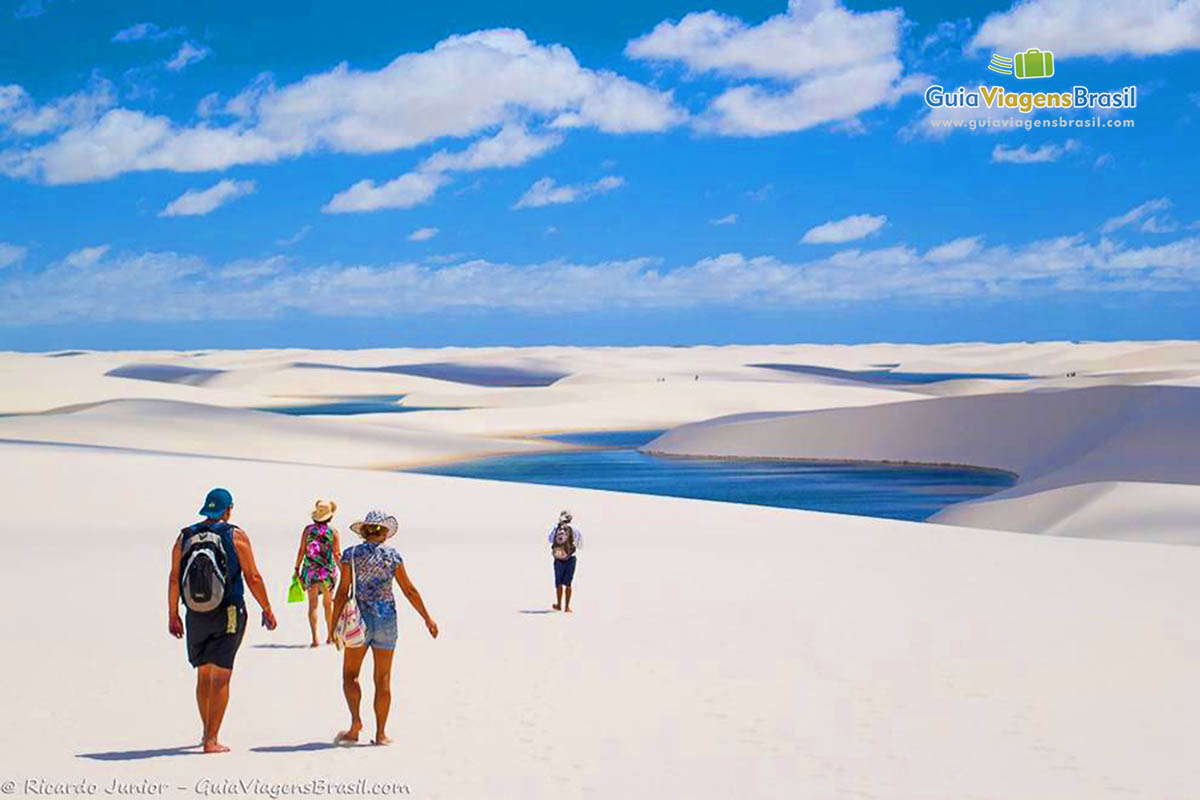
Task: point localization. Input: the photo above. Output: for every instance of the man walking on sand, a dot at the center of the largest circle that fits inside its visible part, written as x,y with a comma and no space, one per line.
565,541
211,564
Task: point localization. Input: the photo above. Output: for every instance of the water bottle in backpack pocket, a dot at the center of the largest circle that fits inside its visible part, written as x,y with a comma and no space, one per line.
205,569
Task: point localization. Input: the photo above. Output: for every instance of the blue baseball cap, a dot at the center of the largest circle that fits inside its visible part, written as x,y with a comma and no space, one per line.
217,503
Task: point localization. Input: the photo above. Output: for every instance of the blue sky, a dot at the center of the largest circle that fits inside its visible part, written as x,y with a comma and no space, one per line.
188,175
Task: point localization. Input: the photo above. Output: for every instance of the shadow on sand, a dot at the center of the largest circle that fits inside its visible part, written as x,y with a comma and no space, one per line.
273,646
536,611
294,748
138,755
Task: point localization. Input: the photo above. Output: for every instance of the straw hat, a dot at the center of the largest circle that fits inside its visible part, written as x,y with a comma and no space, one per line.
381,518
323,511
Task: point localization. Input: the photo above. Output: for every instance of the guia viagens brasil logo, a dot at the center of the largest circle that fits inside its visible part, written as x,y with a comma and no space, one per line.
1031,63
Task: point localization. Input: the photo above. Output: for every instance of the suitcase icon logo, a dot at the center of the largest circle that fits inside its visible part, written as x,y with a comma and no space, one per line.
1033,63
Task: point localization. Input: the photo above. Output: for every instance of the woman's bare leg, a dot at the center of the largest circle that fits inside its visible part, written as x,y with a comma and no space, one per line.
383,691
351,666
327,599
313,591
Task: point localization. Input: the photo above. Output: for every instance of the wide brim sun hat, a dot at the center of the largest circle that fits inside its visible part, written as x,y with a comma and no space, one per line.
381,518
323,510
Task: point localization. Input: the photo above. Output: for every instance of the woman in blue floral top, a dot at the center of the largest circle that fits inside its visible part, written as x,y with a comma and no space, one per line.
371,567
319,547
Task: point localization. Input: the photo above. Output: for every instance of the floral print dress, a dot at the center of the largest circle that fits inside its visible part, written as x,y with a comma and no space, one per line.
318,567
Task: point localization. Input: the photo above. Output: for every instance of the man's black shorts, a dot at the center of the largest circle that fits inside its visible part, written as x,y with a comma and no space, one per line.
213,637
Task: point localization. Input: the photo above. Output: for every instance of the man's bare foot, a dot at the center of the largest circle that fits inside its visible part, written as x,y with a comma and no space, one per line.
381,739
567,609
348,737
315,643
213,746
556,607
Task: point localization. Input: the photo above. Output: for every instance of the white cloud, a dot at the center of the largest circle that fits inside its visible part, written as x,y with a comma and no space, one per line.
11,254
511,146
945,33
85,256
1159,225
1103,160
1136,214
163,286
422,234
848,229
954,250
1090,28
728,219
198,202
546,192
146,31
21,117
189,53
288,241
410,189
464,87
812,37
833,63
1040,155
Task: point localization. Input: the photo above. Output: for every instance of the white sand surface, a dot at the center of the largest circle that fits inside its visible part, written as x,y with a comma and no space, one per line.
716,650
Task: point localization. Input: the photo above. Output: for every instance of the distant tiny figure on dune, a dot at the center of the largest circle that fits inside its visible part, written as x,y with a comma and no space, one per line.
211,564
365,614
565,541
315,567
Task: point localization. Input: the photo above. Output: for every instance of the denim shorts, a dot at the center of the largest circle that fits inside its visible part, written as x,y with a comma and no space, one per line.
380,623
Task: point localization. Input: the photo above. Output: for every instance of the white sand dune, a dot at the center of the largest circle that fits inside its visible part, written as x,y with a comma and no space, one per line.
1050,439
716,650
1131,511
173,427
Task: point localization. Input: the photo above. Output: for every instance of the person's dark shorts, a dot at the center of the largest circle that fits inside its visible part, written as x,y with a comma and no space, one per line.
564,571
213,637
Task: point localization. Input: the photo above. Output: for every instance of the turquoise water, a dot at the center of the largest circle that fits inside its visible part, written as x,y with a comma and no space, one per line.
889,376
370,404
875,490
607,438
472,374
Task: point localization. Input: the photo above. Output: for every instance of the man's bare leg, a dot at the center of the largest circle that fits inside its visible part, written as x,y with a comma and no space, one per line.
313,592
218,700
567,607
203,682
558,597
351,666
383,692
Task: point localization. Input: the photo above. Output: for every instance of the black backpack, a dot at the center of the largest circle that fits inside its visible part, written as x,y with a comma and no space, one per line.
204,567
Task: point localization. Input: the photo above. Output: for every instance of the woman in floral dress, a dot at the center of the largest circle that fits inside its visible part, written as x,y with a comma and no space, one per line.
316,566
